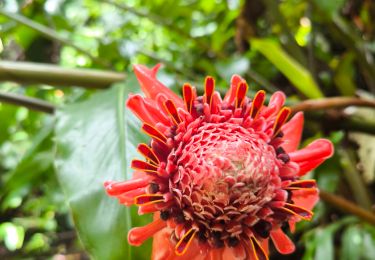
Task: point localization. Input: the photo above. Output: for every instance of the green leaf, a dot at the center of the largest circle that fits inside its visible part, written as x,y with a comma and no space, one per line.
295,72
352,243
324,244
96,140
330,7
344,75
321,241
13,235
36,161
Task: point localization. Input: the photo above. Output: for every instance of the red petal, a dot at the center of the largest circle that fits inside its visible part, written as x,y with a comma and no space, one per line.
282,242
257,103
151,86
148,199
292,132
306,166
276,102
234,253
163,248
256,250
231,94
146,110
117,188
297,211
189,94
305,198
277,99
215,254
209,88
241,94
281,118
319,149
138,235
183,244
264,245
172,111
292,225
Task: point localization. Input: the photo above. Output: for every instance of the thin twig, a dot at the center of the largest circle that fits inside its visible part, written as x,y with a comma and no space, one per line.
27,72
28,102
333,102
51,34
347,206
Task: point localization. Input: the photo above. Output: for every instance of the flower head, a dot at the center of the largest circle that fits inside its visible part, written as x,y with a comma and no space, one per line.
222,176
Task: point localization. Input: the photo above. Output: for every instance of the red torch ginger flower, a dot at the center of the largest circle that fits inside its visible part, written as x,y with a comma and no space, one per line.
222,176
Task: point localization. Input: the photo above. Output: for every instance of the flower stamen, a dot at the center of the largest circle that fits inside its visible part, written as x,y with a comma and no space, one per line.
241,94
154,133
209,88
184,243
282,117
172,111
257,103
148,153
144,166
298,211
147,199
189,96
257,250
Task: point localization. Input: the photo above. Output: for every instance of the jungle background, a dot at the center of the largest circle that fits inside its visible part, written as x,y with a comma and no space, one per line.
65,73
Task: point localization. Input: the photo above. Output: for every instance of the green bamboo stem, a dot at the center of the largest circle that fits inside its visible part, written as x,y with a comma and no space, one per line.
26,72
28,102
50,34
354,179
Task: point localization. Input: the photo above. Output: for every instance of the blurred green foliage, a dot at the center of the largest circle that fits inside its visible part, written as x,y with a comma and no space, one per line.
307,49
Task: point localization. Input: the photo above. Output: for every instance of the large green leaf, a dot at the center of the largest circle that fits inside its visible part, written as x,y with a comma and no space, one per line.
295,72
96,139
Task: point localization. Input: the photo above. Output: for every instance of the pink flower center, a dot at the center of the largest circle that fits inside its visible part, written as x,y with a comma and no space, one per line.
222,175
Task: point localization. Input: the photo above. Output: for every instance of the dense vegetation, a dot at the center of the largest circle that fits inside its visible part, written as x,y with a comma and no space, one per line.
63,132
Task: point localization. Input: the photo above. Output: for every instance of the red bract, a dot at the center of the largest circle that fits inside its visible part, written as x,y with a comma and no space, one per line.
220,175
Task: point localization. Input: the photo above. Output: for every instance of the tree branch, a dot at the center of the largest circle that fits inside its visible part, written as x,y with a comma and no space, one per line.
347,206
28,102
333,102
26,72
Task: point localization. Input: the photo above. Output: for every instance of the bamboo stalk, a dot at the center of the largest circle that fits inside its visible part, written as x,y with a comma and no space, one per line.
26,72
353,178
28,102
